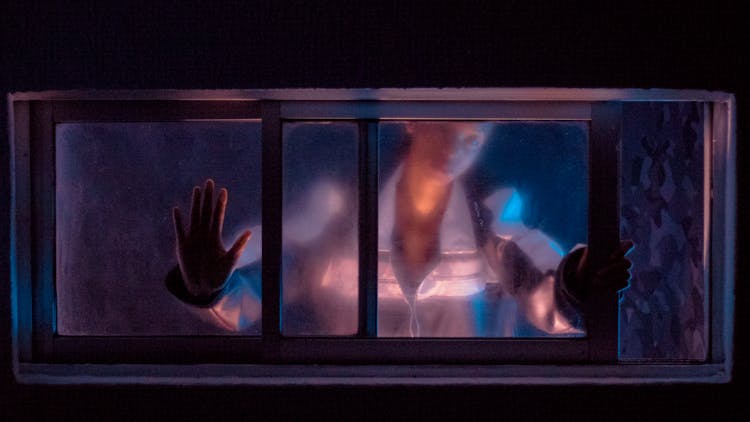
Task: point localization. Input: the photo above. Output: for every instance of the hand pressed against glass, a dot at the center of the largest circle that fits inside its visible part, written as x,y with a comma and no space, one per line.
615,273
204,263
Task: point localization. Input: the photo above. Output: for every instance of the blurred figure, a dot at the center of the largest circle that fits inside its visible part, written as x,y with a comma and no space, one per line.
450,265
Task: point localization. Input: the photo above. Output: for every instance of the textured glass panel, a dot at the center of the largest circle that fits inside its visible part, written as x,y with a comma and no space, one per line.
320,247
474,221
116,186
664,313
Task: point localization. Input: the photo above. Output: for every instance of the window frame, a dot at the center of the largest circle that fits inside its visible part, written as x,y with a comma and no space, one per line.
34,116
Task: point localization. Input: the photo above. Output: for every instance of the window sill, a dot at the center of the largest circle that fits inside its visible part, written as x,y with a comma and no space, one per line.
380,375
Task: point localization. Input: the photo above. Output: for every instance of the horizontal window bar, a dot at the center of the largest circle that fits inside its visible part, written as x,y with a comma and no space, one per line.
149,111
385,94
402,110
182,350
369,374
388,350
229,349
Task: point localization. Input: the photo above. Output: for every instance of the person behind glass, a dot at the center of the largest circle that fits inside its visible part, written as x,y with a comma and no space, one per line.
440,265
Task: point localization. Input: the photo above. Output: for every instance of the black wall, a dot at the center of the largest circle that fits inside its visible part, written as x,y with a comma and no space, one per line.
172,44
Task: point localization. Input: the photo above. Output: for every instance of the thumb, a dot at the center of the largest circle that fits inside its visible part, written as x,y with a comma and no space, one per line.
236,250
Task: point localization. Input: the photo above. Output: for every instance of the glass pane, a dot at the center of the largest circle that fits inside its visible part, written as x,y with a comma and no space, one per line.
664,315
320,213
116,186
474,220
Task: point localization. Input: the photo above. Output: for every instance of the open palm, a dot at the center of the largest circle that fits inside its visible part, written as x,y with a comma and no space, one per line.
204,263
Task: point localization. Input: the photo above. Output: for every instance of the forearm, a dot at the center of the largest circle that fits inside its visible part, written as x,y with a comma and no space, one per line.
548,300
570,288
553,304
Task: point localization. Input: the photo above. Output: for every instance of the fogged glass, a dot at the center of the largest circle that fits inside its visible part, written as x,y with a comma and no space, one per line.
319,231
664,313
116,185
474,220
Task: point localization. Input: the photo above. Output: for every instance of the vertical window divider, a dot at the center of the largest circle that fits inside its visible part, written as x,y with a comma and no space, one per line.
21,226
601,307
708,221
722,196
271,189
43,228
368,228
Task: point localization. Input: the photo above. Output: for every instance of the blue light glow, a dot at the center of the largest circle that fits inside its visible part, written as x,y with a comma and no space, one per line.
477,306
556,247
513,208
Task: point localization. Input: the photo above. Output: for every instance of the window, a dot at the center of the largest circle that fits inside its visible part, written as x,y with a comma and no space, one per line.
325,181
113,183
528,180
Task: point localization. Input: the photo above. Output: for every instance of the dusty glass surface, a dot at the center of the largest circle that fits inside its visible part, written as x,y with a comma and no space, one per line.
474,220
319,229
116,184
664,315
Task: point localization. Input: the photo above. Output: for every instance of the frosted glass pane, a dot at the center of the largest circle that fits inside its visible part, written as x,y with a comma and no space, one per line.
116,185
474,221
663,315
320,214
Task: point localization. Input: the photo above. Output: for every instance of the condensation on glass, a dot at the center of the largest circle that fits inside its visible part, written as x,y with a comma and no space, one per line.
473,251
522,185
664,315
320,253
116,184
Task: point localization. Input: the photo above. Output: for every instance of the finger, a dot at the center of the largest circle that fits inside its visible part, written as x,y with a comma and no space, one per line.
628,245
620,266
195,210
583,262
616,280
625,247
178,227
239,246
218,224
206,211
616,275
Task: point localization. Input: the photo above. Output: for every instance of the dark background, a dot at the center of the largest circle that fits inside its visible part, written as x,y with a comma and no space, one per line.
373,44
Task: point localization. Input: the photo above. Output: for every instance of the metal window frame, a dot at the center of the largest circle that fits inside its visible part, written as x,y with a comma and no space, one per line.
33,116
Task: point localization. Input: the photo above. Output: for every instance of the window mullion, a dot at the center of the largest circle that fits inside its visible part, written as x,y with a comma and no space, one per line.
43,228
21,225
368,229
271,219
601,306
